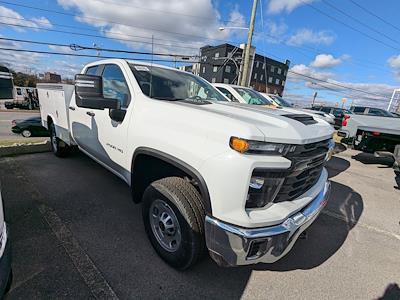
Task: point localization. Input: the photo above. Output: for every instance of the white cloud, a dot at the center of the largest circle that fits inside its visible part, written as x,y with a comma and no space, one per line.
61,49
324,61
308,36
378,94
394,62
42,22
277,6
14,18
160,18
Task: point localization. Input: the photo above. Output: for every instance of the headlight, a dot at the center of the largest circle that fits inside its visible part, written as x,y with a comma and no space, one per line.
257,147
262,190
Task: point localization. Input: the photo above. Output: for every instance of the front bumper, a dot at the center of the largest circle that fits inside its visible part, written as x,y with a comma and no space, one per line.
230,245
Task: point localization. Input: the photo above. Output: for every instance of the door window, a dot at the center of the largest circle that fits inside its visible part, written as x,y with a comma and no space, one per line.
359,110
92,70
115,86
228,94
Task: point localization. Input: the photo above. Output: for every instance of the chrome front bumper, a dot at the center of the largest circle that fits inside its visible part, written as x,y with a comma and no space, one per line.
230,245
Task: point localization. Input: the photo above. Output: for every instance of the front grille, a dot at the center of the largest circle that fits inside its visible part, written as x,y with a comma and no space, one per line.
307,163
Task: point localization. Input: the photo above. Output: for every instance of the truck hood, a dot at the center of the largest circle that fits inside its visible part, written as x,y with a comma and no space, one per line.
276,124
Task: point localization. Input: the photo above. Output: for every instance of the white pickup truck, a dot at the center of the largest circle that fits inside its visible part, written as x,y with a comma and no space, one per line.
242,182
371,133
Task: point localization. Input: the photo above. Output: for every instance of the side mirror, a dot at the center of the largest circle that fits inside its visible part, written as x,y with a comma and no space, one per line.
89,93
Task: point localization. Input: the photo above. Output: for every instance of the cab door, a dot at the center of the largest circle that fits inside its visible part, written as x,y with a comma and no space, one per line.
112,132
82,125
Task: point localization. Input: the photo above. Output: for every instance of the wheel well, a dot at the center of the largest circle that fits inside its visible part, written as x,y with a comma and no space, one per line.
147,168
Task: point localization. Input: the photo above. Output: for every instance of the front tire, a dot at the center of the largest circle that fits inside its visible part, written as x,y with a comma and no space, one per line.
58,147
173,217
26,133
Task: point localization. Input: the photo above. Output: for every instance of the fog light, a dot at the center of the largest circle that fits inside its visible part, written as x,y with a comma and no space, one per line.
262,191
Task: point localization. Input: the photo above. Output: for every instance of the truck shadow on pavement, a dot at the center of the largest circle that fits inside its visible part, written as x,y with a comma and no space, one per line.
328,233
370,159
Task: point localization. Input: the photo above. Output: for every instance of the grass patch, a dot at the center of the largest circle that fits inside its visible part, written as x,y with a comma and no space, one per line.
23,141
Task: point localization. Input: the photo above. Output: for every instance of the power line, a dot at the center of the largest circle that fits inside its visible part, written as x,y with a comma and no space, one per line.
375,15
91,35
358,21
348,26
88,55
335,84
109,21
326,81
169,61
93,30
78,47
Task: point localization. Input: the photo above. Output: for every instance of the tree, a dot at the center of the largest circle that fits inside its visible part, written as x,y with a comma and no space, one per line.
22,79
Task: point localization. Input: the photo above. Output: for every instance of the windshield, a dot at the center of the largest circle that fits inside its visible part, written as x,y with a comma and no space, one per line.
166,84
252,97
280,101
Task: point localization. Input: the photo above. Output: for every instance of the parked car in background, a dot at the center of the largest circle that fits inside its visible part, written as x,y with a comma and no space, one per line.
236,93
5,253
29,127
337,112
371,111
278,100
371,133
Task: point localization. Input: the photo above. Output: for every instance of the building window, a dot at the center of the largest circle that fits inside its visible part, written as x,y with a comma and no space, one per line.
261,77
283,82
216,54
279,71
277,81
215,69
255,75
228,69
213,80
284,73
226,80
270,79
263,66
257,64
272,69
204,69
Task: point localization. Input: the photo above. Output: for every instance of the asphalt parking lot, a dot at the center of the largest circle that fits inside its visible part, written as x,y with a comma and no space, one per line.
76,234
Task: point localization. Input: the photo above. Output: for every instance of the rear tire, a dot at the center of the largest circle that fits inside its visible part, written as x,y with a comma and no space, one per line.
173,216
59,148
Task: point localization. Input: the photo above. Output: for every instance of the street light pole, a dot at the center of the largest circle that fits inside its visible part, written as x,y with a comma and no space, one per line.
247,48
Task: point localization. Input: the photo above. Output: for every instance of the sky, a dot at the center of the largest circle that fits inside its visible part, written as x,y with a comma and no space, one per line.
338,48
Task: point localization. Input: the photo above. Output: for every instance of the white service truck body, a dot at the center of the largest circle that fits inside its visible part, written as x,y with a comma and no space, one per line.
245,181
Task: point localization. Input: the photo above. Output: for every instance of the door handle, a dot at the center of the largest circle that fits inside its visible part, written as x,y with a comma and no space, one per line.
90,113
71,108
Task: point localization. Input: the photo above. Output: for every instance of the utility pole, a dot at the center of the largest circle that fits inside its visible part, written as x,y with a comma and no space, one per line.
247,48
313,100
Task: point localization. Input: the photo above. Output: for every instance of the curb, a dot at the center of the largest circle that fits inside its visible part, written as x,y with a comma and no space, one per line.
19,110
25,149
